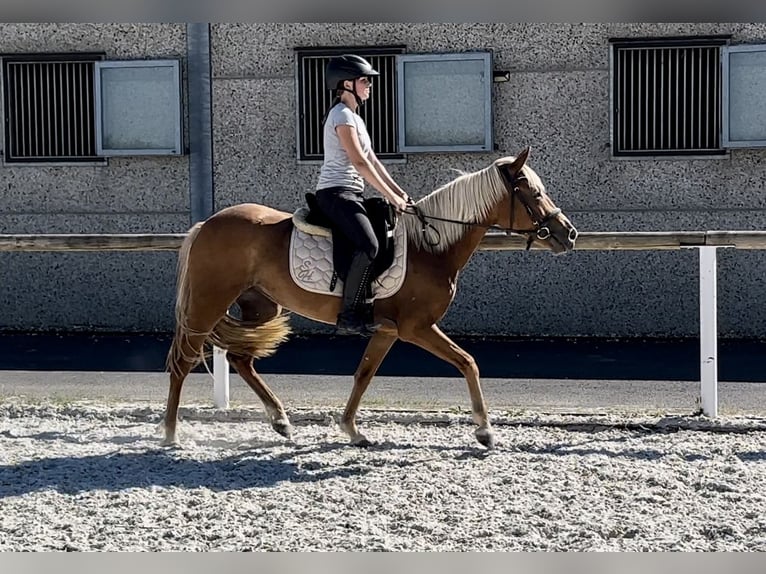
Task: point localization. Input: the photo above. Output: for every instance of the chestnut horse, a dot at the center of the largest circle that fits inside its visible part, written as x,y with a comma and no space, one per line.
240,255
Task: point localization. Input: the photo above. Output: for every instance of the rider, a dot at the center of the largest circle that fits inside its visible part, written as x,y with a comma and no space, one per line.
349,161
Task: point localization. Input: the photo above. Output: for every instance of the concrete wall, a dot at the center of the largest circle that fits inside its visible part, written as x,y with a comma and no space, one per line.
103,291
557,101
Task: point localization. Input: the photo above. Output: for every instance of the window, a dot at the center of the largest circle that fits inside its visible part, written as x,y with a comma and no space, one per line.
138,106
420,103
78,108
446,102
313,100
666,96
49,108
744,96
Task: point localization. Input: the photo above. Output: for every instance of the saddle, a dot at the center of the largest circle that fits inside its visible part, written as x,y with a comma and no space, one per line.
383,219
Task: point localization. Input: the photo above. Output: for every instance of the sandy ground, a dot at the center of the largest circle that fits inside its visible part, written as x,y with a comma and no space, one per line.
78,475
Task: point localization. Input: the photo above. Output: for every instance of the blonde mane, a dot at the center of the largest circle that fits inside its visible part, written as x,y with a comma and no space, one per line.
470,198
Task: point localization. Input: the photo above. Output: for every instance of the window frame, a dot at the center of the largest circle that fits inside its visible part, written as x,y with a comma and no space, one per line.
178,147
726,141
486,57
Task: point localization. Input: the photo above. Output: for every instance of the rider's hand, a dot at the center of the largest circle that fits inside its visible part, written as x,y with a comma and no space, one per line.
401,205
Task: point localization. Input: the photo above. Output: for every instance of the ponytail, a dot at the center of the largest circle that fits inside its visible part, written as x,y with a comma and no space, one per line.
335,102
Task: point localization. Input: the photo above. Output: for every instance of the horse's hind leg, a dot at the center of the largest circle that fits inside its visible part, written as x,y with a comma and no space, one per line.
432,339
376,351
257,310
185,353
183,356
274,409
202,312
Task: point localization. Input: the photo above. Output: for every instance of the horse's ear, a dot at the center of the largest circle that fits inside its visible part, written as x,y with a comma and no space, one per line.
520,160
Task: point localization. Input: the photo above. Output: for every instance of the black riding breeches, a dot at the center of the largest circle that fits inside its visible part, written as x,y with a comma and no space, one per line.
346,209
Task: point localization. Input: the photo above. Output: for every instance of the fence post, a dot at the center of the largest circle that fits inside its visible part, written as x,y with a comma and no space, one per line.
708,332
220,379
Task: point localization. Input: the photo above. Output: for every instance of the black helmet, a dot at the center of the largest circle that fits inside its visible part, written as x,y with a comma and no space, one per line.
346,67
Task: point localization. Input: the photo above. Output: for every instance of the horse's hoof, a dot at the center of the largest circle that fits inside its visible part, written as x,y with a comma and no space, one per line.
284,428
170,443
486,437
362,442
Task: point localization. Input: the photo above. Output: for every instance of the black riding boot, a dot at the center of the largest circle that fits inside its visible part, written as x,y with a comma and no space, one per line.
356,317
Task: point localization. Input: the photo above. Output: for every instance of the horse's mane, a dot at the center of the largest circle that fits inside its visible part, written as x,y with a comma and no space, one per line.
470,197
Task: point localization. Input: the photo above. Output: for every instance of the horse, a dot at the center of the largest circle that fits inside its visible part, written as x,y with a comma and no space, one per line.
239,256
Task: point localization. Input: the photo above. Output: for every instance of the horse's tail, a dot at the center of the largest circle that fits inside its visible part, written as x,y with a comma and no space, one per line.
248,339
239,337
178,353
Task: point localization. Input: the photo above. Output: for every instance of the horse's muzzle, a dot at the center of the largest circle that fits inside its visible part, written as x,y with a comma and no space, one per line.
562,239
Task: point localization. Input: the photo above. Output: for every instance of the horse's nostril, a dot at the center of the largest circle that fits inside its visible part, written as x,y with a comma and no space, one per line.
572,235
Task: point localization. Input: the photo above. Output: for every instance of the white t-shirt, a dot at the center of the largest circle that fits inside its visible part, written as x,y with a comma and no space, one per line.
337,169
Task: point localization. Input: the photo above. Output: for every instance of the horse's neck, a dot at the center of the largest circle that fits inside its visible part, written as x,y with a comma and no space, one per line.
461,252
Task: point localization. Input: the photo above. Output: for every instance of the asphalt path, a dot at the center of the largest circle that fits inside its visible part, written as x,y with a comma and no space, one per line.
548,375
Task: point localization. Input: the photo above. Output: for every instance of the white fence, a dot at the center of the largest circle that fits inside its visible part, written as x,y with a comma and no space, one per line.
708,342
707,242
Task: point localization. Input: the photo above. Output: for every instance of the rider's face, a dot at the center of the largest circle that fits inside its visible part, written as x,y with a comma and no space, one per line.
360,86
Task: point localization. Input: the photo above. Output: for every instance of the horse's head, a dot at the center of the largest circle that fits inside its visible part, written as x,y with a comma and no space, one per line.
530,211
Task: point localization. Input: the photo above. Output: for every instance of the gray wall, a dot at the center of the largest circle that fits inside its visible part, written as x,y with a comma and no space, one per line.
557,101
101,291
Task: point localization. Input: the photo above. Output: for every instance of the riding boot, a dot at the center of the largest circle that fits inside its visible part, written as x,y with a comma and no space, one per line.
356,317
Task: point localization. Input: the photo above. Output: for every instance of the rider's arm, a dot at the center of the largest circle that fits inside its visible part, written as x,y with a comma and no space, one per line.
385,176
366,168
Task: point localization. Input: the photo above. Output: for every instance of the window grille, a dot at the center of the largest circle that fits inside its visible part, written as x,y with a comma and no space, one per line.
313,100
666,97
49,108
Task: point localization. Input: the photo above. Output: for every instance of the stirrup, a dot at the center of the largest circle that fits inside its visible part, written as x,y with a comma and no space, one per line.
353,323
367,313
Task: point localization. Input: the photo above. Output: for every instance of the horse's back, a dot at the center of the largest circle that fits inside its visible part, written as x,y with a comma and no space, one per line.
254,213
246,224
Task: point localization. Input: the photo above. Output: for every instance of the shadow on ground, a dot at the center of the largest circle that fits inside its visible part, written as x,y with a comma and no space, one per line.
632,359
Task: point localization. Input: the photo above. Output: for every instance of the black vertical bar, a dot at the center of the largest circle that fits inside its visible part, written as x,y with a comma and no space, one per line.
88,97
199,85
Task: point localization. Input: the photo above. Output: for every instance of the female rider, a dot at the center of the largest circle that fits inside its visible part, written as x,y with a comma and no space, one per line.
349,161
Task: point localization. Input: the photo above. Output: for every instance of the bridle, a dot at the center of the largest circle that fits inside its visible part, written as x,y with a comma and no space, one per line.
540,230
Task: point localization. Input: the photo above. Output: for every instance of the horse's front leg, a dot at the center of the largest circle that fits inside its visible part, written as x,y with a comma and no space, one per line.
432,339
376,351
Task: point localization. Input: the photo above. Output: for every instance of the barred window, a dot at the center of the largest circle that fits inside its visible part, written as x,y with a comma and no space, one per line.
49,108
313,100
666,96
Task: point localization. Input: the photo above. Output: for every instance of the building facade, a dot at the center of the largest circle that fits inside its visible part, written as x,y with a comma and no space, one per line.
633,127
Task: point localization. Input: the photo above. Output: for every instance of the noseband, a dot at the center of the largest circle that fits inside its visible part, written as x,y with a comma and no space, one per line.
540,231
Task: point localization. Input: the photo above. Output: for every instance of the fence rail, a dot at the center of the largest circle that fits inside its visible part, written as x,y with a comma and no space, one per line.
587,241
707,242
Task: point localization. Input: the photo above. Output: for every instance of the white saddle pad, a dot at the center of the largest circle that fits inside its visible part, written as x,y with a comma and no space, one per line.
311,264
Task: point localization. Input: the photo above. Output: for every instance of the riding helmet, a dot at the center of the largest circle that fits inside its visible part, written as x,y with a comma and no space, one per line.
346,67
